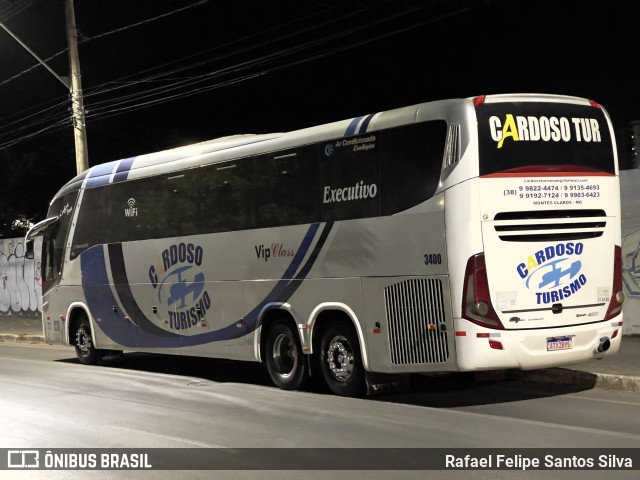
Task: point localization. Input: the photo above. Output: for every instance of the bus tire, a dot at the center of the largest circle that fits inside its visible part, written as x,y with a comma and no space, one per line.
341,361
285,361
85,351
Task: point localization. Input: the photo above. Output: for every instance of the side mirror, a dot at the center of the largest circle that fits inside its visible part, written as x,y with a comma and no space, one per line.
29,250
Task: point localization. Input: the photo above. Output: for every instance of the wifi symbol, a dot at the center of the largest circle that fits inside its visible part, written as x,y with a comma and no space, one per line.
132,211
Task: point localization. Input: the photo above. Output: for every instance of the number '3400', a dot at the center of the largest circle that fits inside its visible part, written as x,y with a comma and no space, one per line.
432,259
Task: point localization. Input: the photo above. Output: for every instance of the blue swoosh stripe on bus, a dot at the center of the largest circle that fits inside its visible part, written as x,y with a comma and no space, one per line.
282,291
287,286
100,174
123,290
101,301
122,172
130,305
351,129
365,123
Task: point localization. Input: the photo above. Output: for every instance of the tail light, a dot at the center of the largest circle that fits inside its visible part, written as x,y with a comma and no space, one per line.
479,100
595,104
617,295
476,299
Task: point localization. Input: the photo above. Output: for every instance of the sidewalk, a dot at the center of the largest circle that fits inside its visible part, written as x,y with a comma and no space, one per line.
618,372
16,328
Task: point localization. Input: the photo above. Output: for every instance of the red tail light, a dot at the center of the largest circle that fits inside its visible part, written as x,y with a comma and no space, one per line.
617,295
479,100
595,104
476,299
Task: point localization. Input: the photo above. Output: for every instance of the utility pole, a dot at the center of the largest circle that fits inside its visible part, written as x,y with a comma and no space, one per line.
75,86
77,103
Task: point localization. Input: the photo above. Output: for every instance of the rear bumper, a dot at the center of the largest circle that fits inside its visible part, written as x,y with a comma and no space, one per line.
527,349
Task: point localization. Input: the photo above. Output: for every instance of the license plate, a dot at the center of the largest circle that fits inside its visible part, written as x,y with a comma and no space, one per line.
560,343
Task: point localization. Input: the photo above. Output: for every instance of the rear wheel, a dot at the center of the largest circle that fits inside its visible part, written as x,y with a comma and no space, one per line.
284,358
341,361
85,351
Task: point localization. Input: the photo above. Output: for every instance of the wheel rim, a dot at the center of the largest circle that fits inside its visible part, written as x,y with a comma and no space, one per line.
340,358
83,342
284,354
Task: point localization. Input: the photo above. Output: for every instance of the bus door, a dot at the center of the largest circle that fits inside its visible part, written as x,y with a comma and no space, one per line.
52,250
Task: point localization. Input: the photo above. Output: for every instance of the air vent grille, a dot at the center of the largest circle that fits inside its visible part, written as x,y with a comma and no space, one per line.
452,147
415,313
550,225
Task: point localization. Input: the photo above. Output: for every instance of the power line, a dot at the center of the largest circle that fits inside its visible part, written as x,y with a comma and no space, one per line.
48,129
257,66
267,61
101,35
99,89
41,119
148,20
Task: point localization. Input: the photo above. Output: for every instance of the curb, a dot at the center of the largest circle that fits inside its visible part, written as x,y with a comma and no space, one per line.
618,382
577,378
21,338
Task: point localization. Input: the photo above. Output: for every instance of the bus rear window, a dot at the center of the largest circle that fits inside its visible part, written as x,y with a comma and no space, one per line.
522,137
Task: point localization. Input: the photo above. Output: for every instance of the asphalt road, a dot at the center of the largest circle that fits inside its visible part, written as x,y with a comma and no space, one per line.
48,400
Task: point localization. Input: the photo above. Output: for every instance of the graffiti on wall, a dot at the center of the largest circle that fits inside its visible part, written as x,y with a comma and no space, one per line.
20,289
631,264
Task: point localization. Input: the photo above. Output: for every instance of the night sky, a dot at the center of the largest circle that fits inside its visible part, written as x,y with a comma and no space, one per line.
220,67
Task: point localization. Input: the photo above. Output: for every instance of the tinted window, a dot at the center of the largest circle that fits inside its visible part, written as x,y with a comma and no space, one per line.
54,239
215,198
356,177
411,164
286,185
221,198
350,177
118,212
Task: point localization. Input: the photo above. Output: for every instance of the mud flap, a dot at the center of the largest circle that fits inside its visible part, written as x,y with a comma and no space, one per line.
379,383
109,357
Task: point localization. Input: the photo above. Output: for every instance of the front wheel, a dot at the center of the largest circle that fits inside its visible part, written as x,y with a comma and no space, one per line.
85,351
341,361
284,358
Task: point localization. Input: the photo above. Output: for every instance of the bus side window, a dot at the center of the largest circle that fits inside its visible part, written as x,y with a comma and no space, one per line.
177,213
286,183
411,164
29,254
49,274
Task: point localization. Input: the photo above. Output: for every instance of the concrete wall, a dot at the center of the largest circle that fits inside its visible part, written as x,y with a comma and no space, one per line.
20,289
630,196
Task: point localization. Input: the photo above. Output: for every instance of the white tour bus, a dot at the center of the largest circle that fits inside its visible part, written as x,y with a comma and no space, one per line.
455,235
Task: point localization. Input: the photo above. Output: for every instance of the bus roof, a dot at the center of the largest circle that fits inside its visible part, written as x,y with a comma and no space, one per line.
235,146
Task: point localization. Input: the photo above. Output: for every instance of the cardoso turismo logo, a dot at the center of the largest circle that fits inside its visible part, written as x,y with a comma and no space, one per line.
544,129
179,281
554,272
